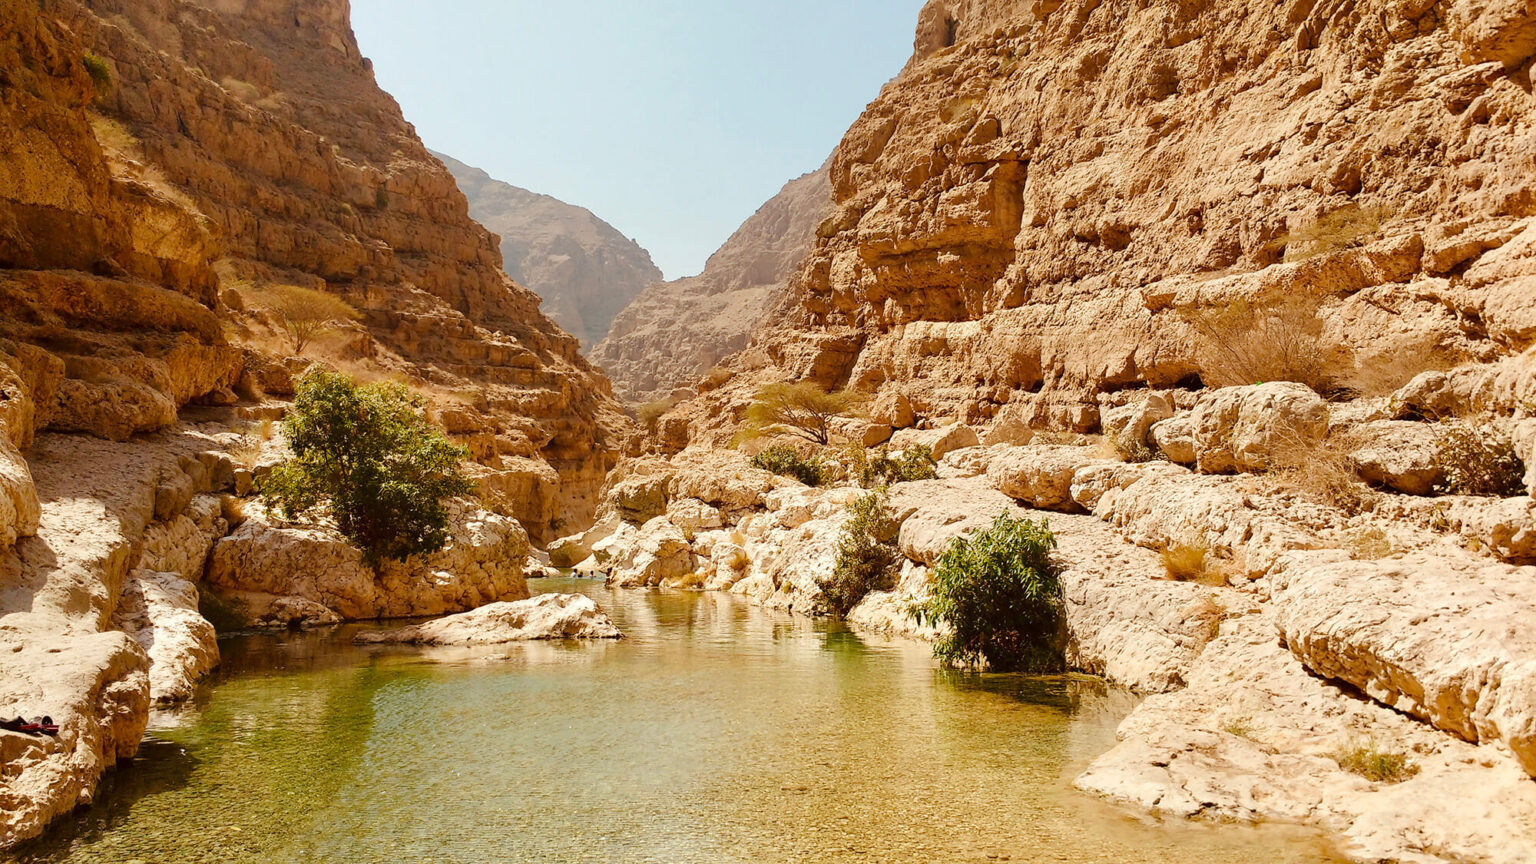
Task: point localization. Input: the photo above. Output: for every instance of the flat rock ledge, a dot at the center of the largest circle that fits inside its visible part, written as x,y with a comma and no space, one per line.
545,617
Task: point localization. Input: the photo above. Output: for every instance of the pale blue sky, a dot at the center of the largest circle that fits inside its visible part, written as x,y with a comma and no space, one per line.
671,120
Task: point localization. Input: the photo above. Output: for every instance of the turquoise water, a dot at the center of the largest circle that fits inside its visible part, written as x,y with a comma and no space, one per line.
716,732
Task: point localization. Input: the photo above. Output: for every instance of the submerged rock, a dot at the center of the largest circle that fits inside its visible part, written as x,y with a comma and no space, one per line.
547,616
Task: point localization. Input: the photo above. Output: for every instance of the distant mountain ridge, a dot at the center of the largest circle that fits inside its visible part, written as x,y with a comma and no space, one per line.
585,270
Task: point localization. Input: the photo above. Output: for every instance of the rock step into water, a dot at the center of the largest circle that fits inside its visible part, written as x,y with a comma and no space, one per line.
547,616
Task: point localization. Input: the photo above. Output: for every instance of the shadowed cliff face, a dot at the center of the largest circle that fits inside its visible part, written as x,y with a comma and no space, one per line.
1037,209
674,332
250,139
582,267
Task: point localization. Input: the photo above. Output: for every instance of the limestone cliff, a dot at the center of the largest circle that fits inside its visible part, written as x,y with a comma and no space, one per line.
164,166
251,138
582,267
676,331
1052,198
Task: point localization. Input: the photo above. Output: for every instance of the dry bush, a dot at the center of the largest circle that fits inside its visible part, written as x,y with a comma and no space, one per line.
649,414
1243,343
1368,759
715,378
1479,459
1321,471
1211,612
1125,448
1347,227
303,313
1369,544
799,408
234,510
1242,726
1189,562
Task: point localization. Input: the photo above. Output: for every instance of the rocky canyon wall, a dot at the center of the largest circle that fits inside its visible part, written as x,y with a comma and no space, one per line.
1059,200
674,332
583,268
250,138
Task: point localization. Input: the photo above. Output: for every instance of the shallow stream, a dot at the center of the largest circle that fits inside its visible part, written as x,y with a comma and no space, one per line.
716,732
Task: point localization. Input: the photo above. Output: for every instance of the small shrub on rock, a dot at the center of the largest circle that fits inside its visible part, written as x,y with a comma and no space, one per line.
785,461
914,463
100,71
1127,448
368,455
1000,596
1185,562
866,554
1479,460
1370,761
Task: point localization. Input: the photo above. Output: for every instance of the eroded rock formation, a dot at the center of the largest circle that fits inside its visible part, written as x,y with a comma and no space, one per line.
675,332
1059,200
582,267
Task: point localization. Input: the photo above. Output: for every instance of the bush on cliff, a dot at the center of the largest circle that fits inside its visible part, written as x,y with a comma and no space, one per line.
368,455
866,554
914,463
785,461
999,593
304,314
1479,460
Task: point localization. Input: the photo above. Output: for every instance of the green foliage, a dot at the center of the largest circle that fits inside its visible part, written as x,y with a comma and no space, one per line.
368,453
1370,761
1479,460
866,554
798,408
783,460
1345,228
915,463
100,71
1000,594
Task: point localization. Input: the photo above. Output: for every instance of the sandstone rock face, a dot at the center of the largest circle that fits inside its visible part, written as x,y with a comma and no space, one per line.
1451,642
1041,475
19,508
547,616
1059,201
582,267
939,441
1399,455
674,332
1253,738
232,152
99,559
262,568
159,611
1246,428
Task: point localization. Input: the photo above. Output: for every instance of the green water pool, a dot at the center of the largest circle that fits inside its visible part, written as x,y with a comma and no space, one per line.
716,732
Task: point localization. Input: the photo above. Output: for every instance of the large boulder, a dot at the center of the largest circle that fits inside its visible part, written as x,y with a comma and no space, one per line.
1175,438
940,441
659,555
1397,454
639,499
1249,428
264,561
1040,475
1132,422
159,610
19,507
1450,641
547,616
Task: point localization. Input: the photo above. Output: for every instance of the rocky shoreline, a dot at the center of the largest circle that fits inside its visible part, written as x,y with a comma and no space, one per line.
1396,629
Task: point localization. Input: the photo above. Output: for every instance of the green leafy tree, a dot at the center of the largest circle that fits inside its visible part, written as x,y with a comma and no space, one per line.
866,553
1000,595
368,454
799,408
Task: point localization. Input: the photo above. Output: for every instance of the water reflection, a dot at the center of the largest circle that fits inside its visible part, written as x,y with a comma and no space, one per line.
714,732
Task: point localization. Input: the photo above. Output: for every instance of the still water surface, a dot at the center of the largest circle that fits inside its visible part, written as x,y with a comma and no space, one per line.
716,732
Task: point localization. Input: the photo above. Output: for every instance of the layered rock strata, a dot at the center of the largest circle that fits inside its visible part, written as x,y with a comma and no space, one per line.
547,616
1063,200
674,333
583,268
